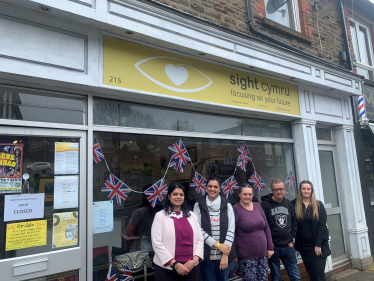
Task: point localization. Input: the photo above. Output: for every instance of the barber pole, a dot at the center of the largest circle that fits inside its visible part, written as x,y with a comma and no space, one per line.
361,106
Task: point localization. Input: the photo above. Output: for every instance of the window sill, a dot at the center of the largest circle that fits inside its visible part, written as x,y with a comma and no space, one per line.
286,30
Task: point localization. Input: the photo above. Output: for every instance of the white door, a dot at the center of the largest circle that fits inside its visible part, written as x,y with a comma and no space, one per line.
61,250
332,195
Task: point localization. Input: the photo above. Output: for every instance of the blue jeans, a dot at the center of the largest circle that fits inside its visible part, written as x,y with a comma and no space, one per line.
288,257
211,272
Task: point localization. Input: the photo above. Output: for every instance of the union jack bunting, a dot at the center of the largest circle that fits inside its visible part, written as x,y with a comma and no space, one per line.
110,275
229,186
256,181
198,183
127,275
157,192
244,157
115,189
98,154
179,157
290,179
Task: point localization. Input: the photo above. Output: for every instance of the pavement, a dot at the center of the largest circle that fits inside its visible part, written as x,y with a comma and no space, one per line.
356,275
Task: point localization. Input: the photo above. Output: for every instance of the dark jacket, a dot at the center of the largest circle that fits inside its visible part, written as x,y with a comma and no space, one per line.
281,219
223,226
320,231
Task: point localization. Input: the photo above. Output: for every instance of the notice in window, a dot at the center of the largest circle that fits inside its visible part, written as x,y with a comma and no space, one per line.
24,207
11,163
102,216
26,235
65,230
66,158
66,192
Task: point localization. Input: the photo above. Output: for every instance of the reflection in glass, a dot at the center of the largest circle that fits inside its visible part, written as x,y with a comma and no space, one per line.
323,134
336,232
278,11
141,160
34,106
330,191
137,116
65,276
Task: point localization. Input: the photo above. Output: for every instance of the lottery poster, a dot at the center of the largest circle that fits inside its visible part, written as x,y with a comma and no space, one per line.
11,162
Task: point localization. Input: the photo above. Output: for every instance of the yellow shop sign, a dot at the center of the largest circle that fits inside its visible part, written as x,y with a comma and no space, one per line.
133,66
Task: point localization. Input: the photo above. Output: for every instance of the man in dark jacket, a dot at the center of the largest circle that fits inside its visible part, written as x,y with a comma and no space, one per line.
281,218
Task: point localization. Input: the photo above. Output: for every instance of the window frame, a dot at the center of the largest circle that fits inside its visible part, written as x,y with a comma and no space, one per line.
368,67
294,15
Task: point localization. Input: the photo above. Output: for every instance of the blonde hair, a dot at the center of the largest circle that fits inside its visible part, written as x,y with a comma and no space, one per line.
299,203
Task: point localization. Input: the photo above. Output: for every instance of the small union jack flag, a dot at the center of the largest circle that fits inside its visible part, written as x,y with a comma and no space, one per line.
229,186
179,157
116,189
98,154
198,183
290,179
256,181
244,157
157,192
111,276
127,275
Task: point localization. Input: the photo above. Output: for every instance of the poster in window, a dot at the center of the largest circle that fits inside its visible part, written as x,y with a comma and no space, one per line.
11,162
66,192
23,235
66,158
65,230
46,186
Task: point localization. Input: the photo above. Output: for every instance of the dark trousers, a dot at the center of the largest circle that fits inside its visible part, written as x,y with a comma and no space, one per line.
314,265
163,274
288,257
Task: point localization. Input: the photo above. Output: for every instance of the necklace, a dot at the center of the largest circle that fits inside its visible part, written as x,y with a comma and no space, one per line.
174,214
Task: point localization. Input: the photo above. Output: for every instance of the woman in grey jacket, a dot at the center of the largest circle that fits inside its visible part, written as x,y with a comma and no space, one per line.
216,217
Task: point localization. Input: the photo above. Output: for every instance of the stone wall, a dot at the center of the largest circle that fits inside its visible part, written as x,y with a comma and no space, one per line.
322,26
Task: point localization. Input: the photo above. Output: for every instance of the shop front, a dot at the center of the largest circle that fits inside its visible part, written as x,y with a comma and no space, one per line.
124,107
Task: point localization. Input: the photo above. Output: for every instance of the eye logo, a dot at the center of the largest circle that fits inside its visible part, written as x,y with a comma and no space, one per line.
177,72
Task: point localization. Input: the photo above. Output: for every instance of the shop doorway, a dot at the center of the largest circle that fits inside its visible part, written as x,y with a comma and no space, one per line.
332,195
54,246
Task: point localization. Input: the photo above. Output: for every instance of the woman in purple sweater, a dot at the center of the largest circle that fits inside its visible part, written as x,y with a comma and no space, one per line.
253,242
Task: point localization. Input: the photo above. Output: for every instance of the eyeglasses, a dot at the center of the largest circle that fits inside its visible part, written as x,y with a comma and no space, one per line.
279,190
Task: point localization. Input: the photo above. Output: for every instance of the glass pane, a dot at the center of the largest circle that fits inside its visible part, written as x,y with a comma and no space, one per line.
367,139
335,230
38,156
323,134
278,11
328,179
362,71
354,41
66,276
369,176
141,160
33,106
364,50
130,115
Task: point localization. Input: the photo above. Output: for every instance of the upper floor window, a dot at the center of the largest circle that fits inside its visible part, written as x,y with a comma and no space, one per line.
284,12
362,48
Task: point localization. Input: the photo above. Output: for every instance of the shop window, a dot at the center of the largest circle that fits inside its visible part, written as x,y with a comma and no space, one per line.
53,183
269,154
66,276
114,113
35,106
362,48
139,169
279,154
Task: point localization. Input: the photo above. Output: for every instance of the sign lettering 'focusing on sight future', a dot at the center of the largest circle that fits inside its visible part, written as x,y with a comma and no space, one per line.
148,70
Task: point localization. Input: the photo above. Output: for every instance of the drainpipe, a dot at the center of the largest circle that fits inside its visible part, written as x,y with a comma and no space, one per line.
278,42
346,42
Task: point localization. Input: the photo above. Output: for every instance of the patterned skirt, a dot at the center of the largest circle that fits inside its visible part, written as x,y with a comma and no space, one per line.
254,269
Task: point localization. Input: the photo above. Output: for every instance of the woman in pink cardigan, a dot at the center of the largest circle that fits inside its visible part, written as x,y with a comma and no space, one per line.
176,239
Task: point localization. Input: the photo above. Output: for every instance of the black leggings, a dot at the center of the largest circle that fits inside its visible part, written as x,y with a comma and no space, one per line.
315,265
163,274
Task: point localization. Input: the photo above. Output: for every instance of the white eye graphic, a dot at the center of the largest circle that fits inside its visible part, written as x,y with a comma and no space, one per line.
178,74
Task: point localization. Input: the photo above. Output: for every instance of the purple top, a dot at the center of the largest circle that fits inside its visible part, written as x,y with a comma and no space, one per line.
252,233
183,239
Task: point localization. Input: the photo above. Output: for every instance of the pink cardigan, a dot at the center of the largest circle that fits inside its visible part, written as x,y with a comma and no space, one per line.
163,238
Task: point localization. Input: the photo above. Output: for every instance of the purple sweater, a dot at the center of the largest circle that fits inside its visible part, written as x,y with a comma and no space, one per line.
252,233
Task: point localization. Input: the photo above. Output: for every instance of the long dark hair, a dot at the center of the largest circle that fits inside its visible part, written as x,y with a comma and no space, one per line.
314,203
169,208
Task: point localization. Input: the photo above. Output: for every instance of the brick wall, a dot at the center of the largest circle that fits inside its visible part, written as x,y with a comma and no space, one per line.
232,14
349,35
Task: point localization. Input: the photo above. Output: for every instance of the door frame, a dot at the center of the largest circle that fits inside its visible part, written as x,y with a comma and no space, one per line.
341,209
58,261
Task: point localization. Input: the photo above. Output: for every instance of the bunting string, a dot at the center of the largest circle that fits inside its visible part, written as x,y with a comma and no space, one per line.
118,191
